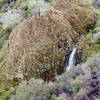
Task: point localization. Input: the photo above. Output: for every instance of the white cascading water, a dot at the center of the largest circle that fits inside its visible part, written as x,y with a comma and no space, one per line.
71,62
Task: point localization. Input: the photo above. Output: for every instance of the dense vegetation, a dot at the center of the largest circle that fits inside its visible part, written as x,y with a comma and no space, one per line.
37,38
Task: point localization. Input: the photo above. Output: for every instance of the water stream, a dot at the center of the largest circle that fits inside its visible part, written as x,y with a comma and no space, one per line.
71,62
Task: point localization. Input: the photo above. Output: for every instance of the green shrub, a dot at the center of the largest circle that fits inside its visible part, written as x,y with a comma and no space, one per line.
34,90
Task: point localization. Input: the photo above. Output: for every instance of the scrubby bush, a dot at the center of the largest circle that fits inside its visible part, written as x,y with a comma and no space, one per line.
34,90
79,83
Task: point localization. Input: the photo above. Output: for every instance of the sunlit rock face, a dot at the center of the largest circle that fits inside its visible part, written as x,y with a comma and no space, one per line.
40,45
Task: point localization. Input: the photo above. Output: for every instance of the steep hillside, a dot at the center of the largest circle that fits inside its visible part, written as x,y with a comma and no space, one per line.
37,39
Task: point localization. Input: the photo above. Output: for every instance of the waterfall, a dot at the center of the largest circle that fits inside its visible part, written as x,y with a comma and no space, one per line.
71,62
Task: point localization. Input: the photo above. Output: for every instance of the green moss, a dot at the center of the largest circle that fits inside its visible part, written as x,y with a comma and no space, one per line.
49,67
2,40
2,33
59,55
